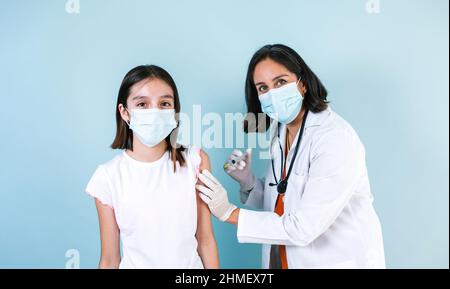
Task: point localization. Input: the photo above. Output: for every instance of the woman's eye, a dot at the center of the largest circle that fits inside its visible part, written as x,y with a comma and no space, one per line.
141,104
280,82
262,88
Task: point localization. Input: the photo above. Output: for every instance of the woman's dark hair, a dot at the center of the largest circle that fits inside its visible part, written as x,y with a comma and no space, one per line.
124,135
315,98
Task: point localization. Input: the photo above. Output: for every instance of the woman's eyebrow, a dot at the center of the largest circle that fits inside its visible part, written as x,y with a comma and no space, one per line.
279,76
276,78
167,96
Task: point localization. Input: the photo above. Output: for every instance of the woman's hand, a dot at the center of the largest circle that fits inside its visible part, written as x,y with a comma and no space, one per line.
215,195
239,167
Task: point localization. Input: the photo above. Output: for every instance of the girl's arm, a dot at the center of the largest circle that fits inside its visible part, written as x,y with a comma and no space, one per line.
109,235
207,247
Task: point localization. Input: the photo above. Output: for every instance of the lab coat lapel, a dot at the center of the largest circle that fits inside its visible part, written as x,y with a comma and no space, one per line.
277,154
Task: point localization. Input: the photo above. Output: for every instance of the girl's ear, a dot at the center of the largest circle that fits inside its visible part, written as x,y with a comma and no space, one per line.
124,113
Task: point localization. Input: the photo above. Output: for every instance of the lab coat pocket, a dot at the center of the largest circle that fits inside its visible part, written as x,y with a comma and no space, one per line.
295,190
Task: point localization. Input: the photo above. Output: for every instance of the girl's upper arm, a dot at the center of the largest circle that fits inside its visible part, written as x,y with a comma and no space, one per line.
205,163
204,226
109,235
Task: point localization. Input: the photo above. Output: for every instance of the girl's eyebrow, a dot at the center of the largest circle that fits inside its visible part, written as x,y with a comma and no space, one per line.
142,97
137,97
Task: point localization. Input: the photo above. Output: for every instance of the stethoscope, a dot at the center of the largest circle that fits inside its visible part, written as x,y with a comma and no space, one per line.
282,184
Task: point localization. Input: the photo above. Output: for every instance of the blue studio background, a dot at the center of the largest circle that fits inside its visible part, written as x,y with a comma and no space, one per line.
386,72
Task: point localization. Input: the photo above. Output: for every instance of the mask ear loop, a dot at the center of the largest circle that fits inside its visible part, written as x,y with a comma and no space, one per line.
176,129
129,117
177,120
300,79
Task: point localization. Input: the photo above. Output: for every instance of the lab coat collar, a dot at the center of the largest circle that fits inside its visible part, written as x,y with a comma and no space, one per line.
316,119
313,119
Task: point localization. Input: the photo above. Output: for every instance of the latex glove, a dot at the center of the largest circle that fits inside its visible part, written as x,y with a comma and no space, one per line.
215,195
239,167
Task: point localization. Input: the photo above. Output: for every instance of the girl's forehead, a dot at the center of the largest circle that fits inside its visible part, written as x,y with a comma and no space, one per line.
150,88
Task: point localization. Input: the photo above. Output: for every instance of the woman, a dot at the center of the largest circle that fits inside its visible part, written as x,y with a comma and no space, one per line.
316,196
145,196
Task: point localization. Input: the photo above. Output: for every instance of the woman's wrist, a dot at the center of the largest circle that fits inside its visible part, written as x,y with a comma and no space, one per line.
234,217
249,184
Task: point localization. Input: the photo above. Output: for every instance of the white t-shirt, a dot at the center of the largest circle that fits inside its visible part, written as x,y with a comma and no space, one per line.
155,208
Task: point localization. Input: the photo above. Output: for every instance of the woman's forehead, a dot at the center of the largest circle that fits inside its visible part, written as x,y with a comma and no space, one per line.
268,69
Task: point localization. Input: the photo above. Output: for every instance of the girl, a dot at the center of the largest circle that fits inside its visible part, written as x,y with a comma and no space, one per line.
146,196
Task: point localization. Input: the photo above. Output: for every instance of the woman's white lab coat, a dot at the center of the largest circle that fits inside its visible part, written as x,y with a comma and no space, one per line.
329,220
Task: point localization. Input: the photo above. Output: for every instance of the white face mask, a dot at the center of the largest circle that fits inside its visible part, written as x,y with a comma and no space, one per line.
153,125
282,104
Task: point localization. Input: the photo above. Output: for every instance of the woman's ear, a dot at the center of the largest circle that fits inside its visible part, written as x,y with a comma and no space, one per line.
124,113
302,87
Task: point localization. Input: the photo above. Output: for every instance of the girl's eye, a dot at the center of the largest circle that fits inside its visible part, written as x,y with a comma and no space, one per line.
141,104
166,104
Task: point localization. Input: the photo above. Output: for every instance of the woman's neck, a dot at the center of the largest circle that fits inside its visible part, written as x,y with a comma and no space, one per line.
293,127
144,153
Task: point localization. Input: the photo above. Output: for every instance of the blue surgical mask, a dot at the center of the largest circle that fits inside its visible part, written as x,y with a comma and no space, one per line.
153,125
282,104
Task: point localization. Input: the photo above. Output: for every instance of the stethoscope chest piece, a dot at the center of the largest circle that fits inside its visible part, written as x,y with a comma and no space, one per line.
282,186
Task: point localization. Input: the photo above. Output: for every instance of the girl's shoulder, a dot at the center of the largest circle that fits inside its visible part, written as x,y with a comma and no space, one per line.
195,152
114,163
191,153
191,150
195,157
